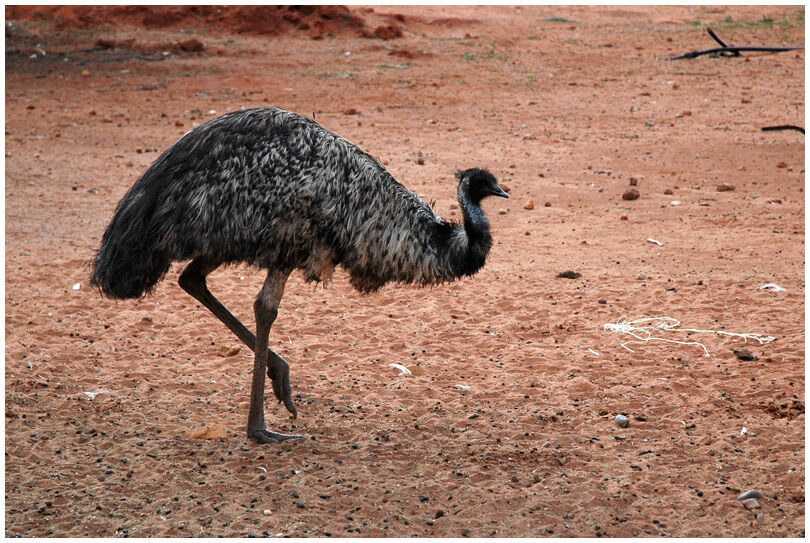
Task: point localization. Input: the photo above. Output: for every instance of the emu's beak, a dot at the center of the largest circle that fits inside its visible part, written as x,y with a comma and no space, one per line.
498,191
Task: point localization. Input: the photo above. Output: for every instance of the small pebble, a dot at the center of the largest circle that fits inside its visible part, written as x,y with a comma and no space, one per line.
547,204
723,187
631,194
633,181
668,191
528,205
268,512
228,350
748,494
751,503
744,354
621,421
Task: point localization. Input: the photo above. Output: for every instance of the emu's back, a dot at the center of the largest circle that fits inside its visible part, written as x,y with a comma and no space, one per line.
274,189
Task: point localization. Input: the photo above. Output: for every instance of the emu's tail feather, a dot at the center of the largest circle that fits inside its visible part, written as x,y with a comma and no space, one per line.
130,263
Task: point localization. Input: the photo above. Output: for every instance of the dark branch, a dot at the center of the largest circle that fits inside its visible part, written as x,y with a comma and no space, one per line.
735,51
718,40
731,50
783,127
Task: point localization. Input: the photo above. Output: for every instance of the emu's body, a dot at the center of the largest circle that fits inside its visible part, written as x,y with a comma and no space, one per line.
276,190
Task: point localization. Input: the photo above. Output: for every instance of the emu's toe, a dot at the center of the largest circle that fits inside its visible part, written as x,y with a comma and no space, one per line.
263,435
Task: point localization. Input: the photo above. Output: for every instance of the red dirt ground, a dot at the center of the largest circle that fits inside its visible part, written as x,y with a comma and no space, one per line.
565,106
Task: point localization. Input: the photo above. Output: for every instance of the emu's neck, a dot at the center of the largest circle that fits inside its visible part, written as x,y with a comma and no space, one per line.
470,253
476,225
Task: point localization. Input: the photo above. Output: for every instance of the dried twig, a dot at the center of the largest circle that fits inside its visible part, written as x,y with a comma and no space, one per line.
716,37
783,127
732,50
118,58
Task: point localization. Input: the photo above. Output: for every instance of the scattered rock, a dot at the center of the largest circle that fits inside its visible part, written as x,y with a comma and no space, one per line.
85,73
192,45
633,181
668,191
751,503
528,204
384,32
178,124
631,194
503,211
228,350
621,421
547,204
350,111
725,187
570,274
744,354
781,165
602,301
751,494
211,431
267,512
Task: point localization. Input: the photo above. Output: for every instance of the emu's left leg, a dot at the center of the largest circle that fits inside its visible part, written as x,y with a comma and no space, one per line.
266,309
192,280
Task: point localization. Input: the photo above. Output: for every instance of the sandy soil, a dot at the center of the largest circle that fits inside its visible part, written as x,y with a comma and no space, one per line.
566,106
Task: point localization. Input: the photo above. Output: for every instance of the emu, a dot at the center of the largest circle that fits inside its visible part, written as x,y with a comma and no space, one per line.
278,191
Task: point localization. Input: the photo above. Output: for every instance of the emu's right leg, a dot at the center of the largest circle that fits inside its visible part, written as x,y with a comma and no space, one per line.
266,309
192,280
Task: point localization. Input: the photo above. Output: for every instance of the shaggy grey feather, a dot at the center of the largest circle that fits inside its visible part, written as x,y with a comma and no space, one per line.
277,190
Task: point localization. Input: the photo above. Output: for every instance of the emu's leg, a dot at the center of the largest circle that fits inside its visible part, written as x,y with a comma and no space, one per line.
192,280
266,309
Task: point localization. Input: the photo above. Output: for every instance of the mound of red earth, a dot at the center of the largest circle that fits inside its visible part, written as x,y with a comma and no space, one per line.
316,21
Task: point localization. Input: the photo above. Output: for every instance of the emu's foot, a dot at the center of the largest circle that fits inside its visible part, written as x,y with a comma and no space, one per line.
279,372
263,435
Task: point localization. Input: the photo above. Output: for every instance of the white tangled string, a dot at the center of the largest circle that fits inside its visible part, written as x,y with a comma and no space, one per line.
644,333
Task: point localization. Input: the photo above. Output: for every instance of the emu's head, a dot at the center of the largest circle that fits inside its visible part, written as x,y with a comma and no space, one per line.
479,184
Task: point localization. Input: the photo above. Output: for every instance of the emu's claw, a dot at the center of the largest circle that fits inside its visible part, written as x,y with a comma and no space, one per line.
263,435
279,372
